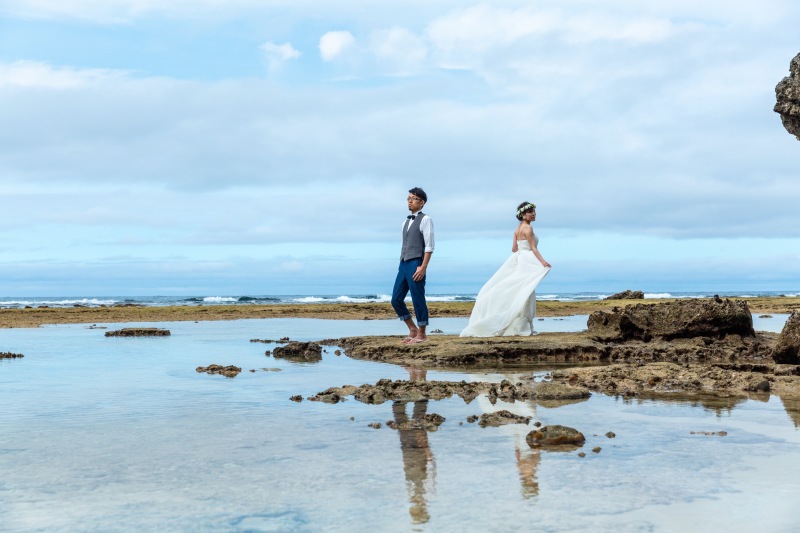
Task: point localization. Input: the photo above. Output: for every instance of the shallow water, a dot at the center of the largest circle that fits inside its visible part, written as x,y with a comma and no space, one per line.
109,434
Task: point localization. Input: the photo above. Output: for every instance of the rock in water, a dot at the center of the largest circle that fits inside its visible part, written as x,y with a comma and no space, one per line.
555,436
501,418
787,94
138,332
683,319
309,352
229,371
788,348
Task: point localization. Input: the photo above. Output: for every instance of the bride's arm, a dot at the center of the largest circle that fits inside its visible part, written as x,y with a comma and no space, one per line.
535,250
514,247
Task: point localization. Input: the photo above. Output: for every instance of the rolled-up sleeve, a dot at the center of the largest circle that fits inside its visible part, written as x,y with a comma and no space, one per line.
426,227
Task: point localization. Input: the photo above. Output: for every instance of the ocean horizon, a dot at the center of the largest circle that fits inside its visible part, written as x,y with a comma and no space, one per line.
17,302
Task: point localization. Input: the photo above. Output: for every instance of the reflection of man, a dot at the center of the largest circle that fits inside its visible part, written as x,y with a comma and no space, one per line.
418,461
415,254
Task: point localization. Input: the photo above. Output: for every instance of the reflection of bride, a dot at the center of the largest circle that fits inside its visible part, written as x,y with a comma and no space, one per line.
506,305
527,459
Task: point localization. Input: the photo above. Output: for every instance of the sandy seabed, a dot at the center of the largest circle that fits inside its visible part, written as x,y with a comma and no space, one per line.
36,316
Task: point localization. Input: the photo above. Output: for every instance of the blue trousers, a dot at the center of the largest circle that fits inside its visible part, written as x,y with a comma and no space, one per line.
404,283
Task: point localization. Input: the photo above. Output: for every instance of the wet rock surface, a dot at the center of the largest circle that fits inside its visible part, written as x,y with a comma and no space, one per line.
627,295
675,379
787,96
682,350
10,355
501,418
426,422
555,436
309,352
229,371
271,341
138,332
787,350
413,391
712,318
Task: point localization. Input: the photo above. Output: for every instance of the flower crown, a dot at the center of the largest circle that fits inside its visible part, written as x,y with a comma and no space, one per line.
525,208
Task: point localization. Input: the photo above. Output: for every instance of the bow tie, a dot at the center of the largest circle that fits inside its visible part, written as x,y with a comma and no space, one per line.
411,217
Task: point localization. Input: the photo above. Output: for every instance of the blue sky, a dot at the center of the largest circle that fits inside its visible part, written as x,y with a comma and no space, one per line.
266,147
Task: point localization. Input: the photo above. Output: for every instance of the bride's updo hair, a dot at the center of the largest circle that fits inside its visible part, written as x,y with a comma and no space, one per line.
524,207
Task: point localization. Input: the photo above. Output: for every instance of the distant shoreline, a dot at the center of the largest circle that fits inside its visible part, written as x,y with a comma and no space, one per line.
38,316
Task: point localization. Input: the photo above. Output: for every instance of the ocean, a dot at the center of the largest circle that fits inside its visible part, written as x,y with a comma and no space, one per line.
211,299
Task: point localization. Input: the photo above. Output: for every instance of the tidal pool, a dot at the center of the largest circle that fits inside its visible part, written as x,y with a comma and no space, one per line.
119,434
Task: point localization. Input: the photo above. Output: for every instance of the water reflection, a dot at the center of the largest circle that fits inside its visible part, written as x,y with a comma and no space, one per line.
792,406
419,465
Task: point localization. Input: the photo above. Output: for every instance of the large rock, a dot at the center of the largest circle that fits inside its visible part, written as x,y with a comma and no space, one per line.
787,94
680,319
627,295
308,352
788,348
556,436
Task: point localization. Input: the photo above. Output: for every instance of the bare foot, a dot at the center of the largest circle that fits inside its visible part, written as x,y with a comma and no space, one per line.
412,334
416,340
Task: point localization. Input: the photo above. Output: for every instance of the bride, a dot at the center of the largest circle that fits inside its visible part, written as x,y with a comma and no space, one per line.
506,305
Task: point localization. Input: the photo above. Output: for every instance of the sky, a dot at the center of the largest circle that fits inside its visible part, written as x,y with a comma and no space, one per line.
231,147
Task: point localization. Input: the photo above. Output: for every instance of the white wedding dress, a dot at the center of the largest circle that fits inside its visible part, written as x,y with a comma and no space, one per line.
506,305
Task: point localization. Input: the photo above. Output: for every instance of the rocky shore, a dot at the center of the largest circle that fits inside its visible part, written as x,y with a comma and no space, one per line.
688,347
36,316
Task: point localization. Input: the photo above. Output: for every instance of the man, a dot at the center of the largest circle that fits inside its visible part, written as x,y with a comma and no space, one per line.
415,255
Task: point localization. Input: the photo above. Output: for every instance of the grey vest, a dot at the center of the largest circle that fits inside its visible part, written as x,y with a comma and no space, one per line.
413,242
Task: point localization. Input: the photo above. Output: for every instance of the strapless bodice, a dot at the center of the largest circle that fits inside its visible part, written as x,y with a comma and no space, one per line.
525,245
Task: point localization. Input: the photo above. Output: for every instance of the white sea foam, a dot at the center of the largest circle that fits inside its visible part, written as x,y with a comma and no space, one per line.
443,298
648,295
219,299
58,303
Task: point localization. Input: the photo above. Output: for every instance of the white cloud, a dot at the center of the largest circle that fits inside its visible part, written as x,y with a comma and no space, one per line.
289,266
588,28
463,36
334,44
398,50
31,74
278,54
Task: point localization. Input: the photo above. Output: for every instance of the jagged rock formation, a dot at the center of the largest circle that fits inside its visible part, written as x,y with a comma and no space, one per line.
308,352
413,391
787,94
501,418
788,348
627,295
714,318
